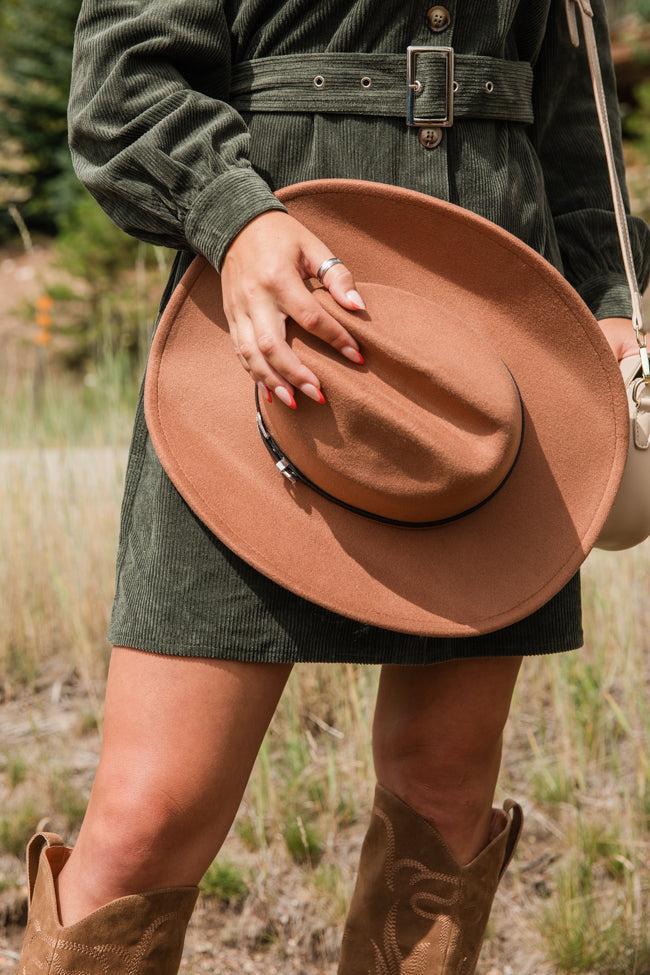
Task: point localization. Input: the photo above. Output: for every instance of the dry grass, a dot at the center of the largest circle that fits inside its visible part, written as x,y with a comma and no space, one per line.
56,571
576,897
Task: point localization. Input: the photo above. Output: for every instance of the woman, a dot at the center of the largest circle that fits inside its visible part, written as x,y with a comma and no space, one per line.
199,637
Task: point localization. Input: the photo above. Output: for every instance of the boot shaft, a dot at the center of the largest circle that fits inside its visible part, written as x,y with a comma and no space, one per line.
139,934
414,909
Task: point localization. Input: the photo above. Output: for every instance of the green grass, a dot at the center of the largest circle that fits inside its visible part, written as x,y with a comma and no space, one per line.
17,825
88,723
65,799
253,832
303,839
15,770
584,932
552,784
329,883
224,881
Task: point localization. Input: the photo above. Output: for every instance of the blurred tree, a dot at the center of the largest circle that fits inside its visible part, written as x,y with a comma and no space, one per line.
36,38
619,8
35,55
638,126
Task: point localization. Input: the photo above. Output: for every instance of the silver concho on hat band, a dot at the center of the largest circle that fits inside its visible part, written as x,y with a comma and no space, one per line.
326,265
292,473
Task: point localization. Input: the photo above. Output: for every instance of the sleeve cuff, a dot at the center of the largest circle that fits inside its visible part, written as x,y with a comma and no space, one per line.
607,296
223,208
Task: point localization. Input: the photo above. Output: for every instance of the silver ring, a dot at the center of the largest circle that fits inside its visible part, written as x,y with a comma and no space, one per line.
326,265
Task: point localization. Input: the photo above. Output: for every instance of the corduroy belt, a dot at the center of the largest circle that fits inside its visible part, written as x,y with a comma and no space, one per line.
428,85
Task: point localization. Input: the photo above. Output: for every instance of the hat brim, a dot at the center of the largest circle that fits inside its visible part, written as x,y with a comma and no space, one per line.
473,575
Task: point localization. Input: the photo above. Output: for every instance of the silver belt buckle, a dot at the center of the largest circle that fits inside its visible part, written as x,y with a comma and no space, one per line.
414,86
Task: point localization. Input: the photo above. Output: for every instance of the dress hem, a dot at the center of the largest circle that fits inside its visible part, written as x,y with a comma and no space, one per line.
117,638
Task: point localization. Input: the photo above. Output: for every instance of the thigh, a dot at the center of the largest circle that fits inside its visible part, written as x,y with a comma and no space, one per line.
189,727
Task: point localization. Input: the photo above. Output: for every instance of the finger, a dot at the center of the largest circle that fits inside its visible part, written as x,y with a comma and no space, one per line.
234,335
263,388
338,279
270,330
630,348
296,300
231,318
259,368
265,392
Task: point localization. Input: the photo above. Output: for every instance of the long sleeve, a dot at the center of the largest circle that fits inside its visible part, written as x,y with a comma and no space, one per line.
149,134
568,142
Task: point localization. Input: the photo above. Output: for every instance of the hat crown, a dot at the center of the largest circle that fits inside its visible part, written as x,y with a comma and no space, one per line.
425,431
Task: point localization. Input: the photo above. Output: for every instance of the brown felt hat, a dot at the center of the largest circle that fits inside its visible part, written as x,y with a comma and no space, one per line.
452,484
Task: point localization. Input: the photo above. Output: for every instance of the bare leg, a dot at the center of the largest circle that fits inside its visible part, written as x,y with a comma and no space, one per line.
437,741
180,738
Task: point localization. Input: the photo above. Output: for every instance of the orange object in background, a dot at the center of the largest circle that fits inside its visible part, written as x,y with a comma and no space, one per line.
44,305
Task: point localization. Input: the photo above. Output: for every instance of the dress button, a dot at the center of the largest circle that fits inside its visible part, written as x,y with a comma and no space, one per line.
430,137
438,18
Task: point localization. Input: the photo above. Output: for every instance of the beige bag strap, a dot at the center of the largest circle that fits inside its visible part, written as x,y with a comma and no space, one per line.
587,15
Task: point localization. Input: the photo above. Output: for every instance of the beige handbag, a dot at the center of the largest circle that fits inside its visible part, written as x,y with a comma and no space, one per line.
628,523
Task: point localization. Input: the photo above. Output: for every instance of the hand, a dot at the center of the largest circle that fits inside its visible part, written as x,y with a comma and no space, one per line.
620,334
262,278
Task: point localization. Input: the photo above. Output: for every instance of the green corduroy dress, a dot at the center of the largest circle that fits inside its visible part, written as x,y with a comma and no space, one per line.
158,141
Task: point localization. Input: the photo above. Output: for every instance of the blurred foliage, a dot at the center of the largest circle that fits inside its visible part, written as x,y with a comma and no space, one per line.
106,297
636,127
105,300
36,38
637,122
620,8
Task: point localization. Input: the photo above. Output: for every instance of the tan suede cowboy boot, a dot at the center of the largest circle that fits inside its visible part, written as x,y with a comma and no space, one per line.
139,934
415,910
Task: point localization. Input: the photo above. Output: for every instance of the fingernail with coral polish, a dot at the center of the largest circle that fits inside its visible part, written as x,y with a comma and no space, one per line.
265,391
313,392
285,396
353,354
355,298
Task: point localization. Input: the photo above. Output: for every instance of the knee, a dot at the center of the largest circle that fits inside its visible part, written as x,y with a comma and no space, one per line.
437,774
134,824
442,743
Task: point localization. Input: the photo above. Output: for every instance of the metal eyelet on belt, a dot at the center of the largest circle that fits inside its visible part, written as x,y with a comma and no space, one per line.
430,136
489,86
319,81
366,82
